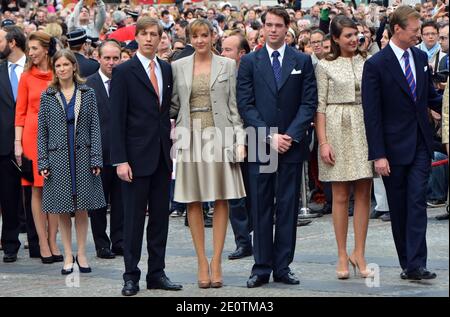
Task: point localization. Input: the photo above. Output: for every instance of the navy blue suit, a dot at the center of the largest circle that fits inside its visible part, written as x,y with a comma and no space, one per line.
141,137
290,108
398,129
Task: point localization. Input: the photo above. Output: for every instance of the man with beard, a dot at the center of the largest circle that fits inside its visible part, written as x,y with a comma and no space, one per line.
12,47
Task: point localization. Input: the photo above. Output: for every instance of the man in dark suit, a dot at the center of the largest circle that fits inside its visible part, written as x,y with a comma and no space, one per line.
109,57
12,47
397,90
141,93
277,95
77,43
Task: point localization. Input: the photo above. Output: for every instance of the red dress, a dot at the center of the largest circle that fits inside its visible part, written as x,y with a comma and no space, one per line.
32,83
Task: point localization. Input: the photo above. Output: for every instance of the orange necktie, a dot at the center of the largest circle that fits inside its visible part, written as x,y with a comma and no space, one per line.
153,78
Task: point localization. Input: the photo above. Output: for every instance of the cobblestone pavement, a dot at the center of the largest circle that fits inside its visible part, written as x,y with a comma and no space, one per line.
314,263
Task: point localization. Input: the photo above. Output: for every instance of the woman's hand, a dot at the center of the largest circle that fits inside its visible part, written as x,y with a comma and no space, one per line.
45,173
96,171
327,153
18,151
241,153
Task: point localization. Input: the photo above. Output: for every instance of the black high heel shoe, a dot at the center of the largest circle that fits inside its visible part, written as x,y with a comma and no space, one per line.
47,259
68,271
83,269
58,258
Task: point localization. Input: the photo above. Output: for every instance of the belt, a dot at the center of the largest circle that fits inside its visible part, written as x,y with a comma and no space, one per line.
202,109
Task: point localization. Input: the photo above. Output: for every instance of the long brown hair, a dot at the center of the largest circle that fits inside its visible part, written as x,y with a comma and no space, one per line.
337,25
47,42
76,73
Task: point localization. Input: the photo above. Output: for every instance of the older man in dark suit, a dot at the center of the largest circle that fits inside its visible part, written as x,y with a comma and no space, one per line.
397,90
141,92
109,56
277,94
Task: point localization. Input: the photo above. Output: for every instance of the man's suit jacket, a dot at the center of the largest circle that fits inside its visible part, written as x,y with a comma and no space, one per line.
88,66
290,108
392,118
222,91
141,130
187,51
104,112
7,111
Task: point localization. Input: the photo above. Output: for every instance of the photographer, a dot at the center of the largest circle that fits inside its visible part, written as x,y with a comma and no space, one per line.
81,18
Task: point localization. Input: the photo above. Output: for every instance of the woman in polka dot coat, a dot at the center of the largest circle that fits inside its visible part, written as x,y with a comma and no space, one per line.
70,153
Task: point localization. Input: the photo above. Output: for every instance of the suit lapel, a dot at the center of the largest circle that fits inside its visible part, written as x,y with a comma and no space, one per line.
142,74
265,69
395,69
288,65
216,68
101,86
5,84
420,73
188,70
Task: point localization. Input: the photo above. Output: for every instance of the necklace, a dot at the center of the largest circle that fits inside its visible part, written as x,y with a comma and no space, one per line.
68,93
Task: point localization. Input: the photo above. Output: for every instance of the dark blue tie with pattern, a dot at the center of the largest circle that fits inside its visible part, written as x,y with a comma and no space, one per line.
276,67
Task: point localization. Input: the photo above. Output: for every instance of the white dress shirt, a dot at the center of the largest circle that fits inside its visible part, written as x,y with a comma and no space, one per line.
20,67
158,72
104,80
280,50
399,54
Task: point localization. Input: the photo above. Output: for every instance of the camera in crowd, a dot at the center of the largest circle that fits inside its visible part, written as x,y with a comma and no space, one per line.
440,76
361,39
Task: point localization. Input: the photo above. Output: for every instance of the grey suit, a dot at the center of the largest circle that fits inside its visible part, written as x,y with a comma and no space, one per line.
223,95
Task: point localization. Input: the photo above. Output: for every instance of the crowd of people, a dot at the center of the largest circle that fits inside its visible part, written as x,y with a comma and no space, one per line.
103,104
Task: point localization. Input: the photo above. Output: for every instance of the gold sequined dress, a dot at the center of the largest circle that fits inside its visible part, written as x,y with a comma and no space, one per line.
201,173
339,92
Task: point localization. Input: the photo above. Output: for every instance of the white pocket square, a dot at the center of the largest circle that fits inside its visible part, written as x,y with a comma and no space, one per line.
296,72
425,68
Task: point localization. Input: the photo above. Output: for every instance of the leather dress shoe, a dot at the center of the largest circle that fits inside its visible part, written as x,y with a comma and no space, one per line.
375,214
163,283
257,281
442,217
240,253
289,278
130,288
420,274
386,216
403,275
10,257
105,253
117,250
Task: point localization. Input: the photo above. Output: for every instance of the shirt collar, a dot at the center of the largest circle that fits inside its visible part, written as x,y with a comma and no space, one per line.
280,50
146,61
21,62
103,76
399,51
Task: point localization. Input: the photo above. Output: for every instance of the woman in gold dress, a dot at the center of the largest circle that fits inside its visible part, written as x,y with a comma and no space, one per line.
343,150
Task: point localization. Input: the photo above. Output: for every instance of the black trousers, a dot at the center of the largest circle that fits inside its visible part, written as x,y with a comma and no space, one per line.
240,219
9,200
33,239
113,195
153,191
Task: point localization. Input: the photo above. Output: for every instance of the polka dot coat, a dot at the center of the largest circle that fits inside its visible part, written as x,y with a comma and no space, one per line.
53,152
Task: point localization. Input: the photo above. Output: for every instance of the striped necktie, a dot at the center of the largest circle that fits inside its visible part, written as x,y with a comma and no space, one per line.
409,76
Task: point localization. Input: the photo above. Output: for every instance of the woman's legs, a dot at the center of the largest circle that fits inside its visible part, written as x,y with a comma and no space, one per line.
196,225
362,191
81,227
220,223
65,225
40,221
53,220
341,195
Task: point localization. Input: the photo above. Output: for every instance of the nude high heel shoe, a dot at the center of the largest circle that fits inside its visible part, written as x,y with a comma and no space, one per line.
363,274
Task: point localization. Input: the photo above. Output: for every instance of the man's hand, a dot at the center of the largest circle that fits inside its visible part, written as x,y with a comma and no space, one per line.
382,167
124,172
281,142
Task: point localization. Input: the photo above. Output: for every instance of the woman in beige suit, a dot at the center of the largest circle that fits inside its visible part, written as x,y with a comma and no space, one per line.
343,149
210,139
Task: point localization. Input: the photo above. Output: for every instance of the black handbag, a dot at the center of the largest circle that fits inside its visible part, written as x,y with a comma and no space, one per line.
26,169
